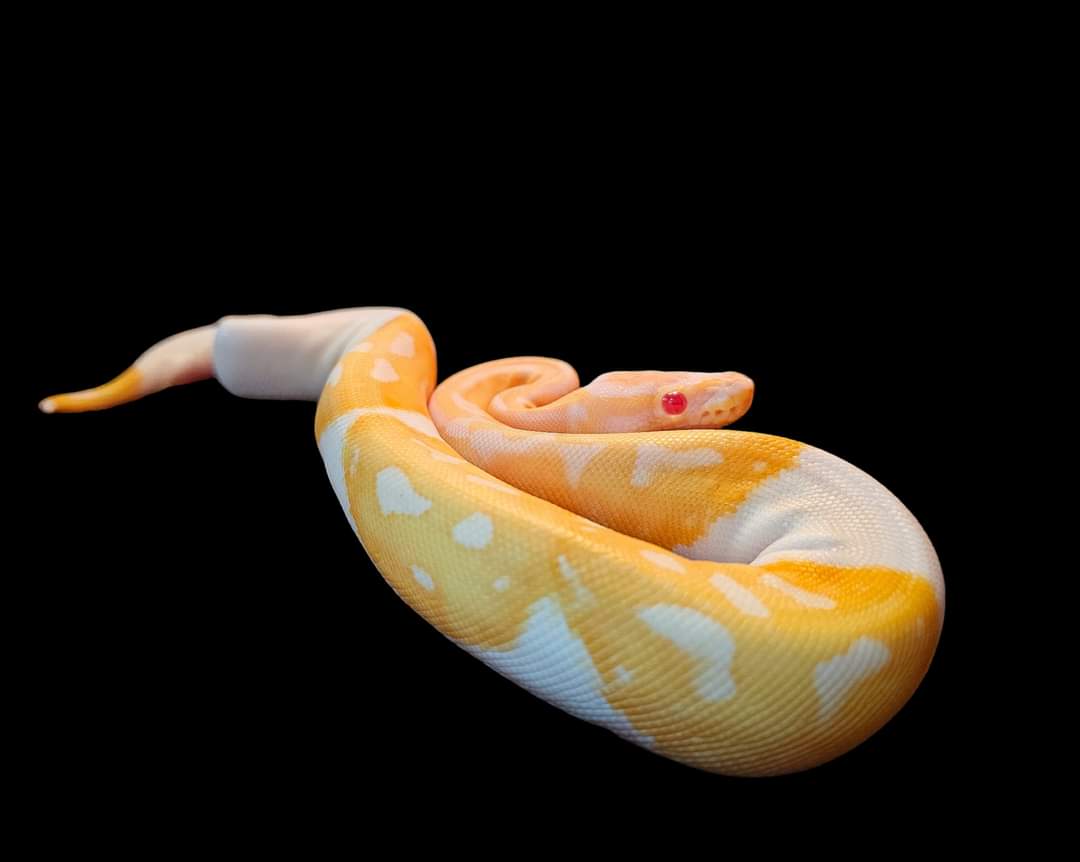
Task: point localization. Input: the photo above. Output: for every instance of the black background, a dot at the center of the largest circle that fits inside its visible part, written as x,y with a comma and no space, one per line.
202,619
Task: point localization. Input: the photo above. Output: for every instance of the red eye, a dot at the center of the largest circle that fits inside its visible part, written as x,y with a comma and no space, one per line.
674,403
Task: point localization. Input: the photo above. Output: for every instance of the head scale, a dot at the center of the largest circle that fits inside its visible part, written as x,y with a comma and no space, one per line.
695,400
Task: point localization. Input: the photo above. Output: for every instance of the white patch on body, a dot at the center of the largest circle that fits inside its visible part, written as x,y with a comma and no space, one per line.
488,441
261,356
582,596
665,560
651,458
834,679
383,371
373,319
331,443
803,597
738,595
475,531
702,638
622,675
334,376
501,585
363,347
423,578
397,495
416,421
576,457
824,510
403,345
576,416
553,663
616,424
610,387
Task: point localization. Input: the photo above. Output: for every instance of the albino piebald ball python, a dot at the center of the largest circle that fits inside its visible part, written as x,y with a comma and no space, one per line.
739,602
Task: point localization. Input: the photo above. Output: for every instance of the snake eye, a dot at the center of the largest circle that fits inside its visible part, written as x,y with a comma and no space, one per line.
673,403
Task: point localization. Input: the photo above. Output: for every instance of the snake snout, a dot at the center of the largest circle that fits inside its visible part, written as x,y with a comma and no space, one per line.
727,400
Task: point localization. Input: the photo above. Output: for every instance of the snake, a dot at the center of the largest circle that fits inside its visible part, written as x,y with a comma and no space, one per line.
738,602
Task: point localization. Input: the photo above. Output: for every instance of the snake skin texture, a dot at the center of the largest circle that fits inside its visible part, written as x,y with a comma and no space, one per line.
738,602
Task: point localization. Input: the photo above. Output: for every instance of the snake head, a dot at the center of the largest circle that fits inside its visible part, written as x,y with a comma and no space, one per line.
664,400
697,400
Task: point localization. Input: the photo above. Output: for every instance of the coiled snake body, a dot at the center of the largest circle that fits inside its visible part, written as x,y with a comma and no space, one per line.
736,601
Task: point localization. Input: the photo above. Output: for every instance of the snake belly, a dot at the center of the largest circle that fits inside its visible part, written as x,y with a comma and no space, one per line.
738,602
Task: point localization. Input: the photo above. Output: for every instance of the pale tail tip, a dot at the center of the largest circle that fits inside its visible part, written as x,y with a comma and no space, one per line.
127,387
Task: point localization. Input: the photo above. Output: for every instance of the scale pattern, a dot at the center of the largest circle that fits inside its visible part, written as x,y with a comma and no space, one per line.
738,602
584,566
